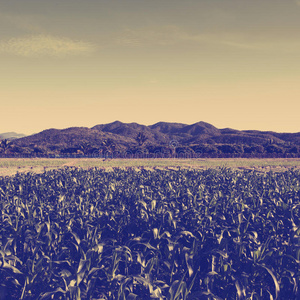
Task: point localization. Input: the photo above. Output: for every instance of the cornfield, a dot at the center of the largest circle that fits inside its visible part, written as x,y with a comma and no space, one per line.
150,234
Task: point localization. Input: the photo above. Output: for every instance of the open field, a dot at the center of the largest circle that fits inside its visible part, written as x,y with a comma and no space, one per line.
11,166
150,234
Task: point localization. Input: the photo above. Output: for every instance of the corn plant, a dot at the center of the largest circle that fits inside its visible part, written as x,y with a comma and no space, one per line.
150,234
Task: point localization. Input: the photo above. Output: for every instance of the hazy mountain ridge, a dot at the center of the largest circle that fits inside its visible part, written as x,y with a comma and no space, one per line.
11,135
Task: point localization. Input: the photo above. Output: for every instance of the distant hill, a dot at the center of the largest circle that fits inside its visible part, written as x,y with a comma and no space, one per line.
71,137
167,128
11,135
123,136
131,130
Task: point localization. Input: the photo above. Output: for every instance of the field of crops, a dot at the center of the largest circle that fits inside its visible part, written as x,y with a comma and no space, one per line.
150,234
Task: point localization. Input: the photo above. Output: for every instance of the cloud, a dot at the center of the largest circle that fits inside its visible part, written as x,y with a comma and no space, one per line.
164,35
170,35
297,2
173,35
45,45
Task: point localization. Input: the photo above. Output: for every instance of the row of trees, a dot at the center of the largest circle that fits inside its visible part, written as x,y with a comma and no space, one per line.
9,149
220,150
108,148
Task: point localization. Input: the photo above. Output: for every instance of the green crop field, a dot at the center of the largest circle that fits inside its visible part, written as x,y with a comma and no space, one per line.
150,234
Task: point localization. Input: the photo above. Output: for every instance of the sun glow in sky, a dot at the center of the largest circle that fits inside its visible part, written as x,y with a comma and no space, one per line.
231,63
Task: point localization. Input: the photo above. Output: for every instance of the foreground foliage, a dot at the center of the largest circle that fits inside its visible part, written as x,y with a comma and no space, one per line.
150,234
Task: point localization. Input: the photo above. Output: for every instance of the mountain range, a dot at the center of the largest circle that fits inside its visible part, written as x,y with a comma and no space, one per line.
162,134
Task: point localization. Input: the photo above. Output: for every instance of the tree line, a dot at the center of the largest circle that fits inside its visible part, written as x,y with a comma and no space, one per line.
108,148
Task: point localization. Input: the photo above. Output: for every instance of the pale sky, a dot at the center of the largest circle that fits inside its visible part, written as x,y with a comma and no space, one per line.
231,63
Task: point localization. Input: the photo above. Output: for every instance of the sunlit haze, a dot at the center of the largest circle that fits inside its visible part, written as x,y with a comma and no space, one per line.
231,63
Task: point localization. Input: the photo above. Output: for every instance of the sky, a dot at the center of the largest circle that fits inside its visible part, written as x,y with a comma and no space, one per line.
231,63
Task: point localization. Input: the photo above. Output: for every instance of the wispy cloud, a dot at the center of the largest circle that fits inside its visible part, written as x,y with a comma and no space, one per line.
169,35
45,45
173,35
163,35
